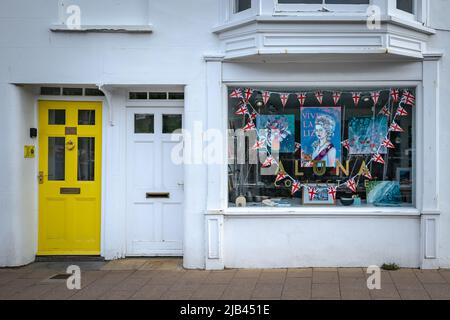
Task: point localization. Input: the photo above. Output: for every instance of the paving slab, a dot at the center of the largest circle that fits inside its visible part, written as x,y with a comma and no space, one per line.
165,278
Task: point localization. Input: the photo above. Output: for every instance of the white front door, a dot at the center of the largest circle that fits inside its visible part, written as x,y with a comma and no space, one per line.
154,182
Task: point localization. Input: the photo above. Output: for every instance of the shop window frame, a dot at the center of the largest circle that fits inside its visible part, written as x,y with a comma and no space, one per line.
417,169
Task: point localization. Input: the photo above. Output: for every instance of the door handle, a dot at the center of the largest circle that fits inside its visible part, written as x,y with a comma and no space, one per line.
41,177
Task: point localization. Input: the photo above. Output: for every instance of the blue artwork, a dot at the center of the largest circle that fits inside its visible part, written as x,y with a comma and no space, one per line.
278,130
366,134
320,135
384,193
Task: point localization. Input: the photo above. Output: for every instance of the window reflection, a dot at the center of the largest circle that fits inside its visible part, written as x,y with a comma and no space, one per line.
56,158
86,159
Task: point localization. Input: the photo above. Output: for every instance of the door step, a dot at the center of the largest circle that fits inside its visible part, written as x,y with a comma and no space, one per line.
68,258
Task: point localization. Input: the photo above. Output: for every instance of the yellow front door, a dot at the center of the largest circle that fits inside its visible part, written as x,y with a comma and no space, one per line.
70,144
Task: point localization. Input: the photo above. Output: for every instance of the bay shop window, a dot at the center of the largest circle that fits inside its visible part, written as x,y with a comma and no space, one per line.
333,147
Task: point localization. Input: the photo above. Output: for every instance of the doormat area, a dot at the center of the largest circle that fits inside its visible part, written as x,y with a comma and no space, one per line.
174,264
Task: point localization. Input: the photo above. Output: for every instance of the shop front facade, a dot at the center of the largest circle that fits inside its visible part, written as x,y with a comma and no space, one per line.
248,134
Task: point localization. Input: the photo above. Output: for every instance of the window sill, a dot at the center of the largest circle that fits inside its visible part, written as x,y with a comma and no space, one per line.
272,212
329,17
104,28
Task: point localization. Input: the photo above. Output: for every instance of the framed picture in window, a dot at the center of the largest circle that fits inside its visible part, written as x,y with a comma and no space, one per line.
318,194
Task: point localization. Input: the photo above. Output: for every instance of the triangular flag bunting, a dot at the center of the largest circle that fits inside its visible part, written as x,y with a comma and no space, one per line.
336,97
388,144
253,115
395,94
367,174
249,126
378,158
375,97
247,94
268,162
319,96
266,97
395,127
401,112
301,97
385,112
408,98
312,191
351,184
259,144
296,186
236,93
332,192
280,176
242,110
284,98
356,96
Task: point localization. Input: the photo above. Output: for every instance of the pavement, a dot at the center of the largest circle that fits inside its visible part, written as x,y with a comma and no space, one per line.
165,278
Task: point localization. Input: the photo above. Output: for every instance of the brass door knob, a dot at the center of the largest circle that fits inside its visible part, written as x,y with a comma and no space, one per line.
70,145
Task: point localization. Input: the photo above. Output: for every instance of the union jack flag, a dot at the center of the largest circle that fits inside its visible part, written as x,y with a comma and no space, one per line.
301,97
236,93
395,94
280,176
319,96
248,93
268,162
378,158
408,98
385,112
249,126
312,191
242,110
351,184
332,192
336,97
401,112
388,144
253,116
375,96
259,144
284,98
356,96
346,144
266,96
395,127
367,174
296,186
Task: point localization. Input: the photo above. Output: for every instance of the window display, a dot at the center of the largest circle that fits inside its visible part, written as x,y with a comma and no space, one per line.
335,147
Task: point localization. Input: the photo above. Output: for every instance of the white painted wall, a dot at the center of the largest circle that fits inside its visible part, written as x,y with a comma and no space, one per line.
173,56
18,177
320,242
31,53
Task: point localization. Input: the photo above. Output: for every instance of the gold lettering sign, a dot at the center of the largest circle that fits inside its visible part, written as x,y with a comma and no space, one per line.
71,131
